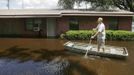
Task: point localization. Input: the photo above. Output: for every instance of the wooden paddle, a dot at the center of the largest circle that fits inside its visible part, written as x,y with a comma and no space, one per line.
89,45
88,49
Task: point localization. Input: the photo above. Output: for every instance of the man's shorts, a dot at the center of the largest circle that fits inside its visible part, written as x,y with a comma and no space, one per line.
101,43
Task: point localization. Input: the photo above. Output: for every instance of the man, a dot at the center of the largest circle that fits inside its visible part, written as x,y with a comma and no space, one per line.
100,34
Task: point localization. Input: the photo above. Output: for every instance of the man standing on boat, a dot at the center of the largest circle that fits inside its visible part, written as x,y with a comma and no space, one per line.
100,34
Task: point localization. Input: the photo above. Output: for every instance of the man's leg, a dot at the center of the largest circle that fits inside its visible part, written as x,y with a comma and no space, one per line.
98,47
103,45
103,49
99,44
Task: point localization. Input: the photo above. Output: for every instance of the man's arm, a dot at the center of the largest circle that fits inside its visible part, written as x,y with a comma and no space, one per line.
95,28
95,34
100,29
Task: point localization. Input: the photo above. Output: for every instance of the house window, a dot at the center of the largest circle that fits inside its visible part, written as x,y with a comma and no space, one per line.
73,24
29,24
33,24
113,24
37,24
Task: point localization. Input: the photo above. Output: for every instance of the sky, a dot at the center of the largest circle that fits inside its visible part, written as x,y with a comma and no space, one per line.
28,4
32,4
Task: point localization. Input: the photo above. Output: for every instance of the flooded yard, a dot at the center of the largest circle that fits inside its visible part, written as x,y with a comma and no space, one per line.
26,56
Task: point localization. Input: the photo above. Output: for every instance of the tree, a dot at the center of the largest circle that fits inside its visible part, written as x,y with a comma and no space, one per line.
124,4
105,4
66,4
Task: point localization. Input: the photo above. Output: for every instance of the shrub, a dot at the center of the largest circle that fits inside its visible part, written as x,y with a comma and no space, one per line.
110,35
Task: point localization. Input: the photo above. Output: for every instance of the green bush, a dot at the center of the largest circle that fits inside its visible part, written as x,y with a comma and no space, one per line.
110,35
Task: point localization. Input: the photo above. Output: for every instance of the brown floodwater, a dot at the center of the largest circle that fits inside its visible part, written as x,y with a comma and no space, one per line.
28,56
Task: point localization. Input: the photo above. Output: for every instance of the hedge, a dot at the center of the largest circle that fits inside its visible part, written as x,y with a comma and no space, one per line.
110,35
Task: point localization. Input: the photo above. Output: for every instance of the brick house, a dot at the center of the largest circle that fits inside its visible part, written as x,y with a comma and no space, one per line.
50,23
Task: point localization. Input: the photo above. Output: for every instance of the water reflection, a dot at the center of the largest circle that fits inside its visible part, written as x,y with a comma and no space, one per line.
77,69
25,54
14,67
24,61
48,57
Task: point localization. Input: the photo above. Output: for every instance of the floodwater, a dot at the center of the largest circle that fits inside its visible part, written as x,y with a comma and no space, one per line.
25,56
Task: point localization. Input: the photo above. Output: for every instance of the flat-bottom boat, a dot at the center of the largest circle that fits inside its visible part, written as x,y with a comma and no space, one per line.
110,51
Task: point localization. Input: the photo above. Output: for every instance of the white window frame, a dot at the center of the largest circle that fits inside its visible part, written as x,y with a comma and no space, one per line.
133,24
38,22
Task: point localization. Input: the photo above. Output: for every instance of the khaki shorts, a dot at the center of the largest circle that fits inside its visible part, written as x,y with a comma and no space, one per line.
101,43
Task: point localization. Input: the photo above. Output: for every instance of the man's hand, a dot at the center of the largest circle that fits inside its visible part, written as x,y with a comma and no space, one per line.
94,29
92,37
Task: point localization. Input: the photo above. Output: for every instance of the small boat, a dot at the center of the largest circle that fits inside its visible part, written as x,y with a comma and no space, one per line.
110,51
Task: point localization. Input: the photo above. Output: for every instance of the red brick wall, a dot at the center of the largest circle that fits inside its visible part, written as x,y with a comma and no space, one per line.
87,23
90,22
62,25
125,23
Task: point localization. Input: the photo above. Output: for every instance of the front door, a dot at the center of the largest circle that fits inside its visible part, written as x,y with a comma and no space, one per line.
51,27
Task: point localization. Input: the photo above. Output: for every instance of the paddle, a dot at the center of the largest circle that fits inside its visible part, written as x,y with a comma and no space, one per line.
89,44
88,48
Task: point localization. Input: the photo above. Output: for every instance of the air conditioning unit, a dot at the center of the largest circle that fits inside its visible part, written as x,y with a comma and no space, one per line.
36,29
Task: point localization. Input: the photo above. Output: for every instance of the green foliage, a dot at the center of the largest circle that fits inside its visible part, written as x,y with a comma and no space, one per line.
74,34
110,35
104,4
66,4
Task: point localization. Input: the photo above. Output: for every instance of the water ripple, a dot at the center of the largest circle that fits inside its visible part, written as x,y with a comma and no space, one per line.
14,67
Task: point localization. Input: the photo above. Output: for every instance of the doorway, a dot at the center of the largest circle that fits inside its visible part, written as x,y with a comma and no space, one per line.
51,27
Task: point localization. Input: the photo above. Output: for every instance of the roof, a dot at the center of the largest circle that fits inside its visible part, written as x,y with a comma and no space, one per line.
24,13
